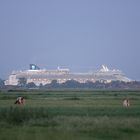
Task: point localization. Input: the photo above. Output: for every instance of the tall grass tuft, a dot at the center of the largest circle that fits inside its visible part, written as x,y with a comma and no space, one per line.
18,115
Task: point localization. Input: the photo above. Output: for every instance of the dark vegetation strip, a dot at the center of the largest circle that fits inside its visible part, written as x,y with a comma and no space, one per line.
19,115
89,111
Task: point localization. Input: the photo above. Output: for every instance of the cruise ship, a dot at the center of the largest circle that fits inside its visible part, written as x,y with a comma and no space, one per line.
42,76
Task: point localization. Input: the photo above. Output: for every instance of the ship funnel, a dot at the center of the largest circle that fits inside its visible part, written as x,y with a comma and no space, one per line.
34,67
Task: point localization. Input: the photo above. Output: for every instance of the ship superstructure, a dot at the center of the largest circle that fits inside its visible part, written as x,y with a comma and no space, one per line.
42,76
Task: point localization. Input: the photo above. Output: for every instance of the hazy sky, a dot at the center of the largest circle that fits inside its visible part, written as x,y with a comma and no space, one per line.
78,34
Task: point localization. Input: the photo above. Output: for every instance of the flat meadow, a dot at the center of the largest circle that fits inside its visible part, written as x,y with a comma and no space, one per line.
70,115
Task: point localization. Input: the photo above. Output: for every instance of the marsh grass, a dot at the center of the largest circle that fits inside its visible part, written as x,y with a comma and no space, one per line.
22,114
18,115
70,115
70,128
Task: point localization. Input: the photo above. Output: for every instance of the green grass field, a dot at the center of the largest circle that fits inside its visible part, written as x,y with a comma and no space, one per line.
70,115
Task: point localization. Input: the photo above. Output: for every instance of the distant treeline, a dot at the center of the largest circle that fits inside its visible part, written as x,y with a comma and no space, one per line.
75,85
1,83
96,85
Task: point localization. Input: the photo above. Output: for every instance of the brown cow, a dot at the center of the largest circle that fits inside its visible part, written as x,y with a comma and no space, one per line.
20,101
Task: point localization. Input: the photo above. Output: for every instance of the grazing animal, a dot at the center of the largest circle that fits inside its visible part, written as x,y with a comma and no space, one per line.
20,100
126,103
